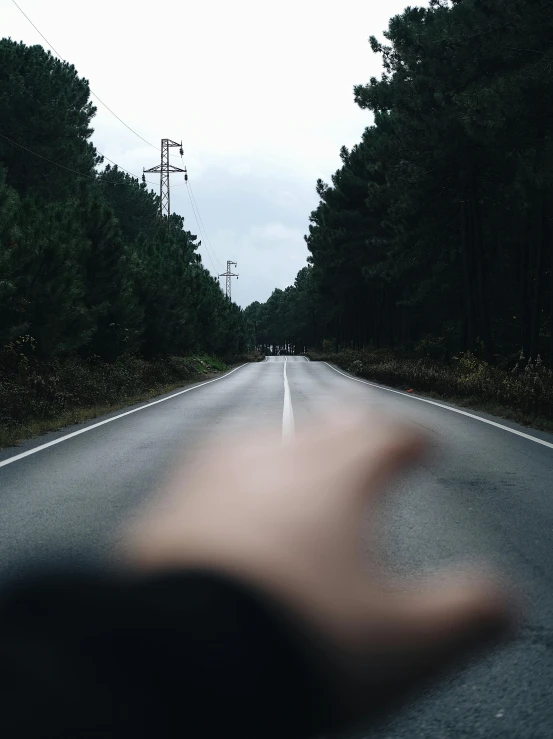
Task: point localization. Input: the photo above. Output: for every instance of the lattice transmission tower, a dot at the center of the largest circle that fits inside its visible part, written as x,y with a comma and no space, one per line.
229,275
165,169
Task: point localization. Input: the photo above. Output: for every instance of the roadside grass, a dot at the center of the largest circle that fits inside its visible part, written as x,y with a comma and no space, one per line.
18,432
37,397
523,394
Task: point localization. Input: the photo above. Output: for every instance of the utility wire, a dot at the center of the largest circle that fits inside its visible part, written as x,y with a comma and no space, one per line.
122,121
201,221
126,170
36,29
97,179
91,91
202,235
61,166
50,114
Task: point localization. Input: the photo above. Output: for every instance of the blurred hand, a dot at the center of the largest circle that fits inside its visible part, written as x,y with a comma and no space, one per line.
288,519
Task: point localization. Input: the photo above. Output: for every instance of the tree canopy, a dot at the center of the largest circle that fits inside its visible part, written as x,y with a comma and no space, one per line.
438,223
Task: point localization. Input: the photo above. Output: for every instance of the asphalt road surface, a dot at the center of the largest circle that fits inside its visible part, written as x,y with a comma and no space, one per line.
487,496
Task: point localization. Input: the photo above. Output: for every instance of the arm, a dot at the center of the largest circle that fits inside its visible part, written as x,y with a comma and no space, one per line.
175,654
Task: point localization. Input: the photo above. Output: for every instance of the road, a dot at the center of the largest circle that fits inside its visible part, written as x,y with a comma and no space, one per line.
488,495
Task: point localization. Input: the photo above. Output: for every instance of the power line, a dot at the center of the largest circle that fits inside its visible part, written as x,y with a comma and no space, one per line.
50,114
203,233
74,171
91,91
62,166
36,29
200,232
132,174
201,221
120,119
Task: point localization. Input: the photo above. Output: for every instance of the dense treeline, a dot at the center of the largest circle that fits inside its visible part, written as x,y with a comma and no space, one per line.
86,266
437,228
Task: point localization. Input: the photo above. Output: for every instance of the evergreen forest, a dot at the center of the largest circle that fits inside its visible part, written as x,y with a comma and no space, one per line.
436,231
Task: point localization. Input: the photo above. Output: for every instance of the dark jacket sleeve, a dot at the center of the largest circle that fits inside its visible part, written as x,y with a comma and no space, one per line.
183,654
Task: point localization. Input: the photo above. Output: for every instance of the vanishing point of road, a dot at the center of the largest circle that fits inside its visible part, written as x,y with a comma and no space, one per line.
486,496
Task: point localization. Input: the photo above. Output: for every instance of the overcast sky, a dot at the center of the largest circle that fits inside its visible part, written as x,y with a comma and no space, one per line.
260,94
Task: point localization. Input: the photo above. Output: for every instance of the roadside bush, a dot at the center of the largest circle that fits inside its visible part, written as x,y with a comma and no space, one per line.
524,392
33,390
255,356
357,367
432,347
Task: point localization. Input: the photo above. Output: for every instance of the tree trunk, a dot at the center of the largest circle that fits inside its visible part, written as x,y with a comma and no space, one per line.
524,312
391,318
550,298
536,296
466,248
481,279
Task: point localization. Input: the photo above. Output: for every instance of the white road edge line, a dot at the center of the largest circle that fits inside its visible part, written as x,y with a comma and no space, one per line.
447,408
288,426
36,449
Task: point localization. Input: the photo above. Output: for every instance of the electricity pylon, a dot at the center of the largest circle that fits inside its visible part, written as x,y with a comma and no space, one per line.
165,169
229,275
